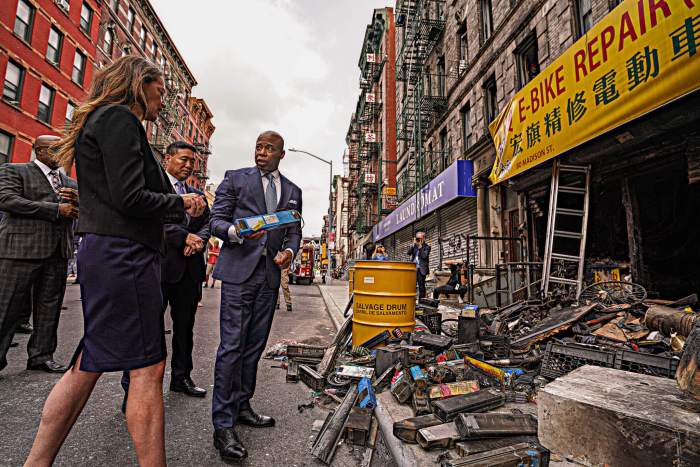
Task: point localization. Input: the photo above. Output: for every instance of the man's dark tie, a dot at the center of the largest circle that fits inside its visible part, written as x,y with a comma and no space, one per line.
55,180
270,194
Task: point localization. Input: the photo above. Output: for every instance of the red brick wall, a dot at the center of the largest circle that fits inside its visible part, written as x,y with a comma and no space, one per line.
20,120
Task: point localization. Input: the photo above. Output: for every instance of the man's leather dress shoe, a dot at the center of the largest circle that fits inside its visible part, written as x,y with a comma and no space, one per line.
187,386
49,366
250,418
229,446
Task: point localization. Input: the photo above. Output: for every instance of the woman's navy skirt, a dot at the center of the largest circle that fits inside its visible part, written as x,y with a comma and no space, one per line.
122,305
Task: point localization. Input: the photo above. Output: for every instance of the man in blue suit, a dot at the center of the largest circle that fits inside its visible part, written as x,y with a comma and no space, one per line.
249,271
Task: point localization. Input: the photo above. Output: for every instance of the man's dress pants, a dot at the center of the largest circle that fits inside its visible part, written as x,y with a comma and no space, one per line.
247,310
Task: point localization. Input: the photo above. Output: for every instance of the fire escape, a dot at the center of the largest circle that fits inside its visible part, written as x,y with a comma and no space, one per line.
421,23
170,116
352,140
370,134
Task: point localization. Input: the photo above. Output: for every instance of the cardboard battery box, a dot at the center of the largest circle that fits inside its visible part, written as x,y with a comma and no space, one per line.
265,222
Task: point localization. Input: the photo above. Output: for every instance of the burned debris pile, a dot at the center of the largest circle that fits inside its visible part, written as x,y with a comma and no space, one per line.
471,376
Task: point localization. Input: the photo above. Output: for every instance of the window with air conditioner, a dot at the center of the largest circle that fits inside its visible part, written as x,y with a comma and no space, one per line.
63,4
6,142
53,50
46,96
24,20
12,87
463,47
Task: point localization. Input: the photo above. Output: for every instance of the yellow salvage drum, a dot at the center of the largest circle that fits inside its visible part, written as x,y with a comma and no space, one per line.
385,298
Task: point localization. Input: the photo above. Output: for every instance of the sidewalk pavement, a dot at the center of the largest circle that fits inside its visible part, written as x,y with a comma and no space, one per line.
335,295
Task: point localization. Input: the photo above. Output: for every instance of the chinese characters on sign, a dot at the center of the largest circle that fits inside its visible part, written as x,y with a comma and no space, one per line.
642,55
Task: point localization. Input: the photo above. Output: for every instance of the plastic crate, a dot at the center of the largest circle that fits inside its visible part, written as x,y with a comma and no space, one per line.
432,321
494,347
647,364
560,359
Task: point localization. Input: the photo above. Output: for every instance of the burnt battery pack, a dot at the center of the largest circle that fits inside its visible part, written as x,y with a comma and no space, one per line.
407,430
517,455
494,425
480,401
443,436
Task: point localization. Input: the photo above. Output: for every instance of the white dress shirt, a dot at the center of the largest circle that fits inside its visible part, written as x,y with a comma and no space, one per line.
46,170
173,181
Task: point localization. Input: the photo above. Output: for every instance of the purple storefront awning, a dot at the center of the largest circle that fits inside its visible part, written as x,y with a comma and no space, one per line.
453,182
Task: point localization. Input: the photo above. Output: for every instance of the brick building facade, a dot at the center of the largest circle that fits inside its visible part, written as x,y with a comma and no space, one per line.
47,56
459,64
371,136
133,27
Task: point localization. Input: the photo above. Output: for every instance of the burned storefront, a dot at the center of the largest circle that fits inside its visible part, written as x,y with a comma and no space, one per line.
604,146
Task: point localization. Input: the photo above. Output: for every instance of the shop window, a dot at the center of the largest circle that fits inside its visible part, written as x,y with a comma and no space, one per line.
130,20
584,16
441,76
486,20
24,20
70,110
12,87
86,18
142,38
465,118
46,95
445,147
108,42
490,100
6,142
527,60
78,73
53,50
428,82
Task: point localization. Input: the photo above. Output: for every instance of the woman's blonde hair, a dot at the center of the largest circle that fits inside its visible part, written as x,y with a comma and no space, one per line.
119,83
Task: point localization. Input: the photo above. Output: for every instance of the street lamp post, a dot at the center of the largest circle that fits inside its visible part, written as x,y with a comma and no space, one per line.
330,191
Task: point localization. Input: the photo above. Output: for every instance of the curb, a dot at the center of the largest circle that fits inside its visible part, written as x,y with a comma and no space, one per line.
402,455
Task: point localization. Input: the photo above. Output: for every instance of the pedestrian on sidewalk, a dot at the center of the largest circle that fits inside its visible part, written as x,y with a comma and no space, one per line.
213,251
420,254
125,200
36,242
249,271
284,283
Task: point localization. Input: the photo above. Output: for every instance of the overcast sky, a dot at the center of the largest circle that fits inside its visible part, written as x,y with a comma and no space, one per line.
286,65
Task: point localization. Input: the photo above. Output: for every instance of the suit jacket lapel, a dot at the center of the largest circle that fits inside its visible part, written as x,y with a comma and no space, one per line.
257,186
45,181
286,192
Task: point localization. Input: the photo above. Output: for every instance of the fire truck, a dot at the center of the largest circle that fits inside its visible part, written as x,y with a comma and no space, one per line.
304,264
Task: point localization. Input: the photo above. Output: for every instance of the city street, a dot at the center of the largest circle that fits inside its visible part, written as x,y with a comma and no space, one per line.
100,436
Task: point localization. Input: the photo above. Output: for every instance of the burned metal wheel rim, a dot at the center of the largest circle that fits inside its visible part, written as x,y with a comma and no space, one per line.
610,293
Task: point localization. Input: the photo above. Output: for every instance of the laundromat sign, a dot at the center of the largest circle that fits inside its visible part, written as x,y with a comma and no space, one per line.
642,55
453,182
